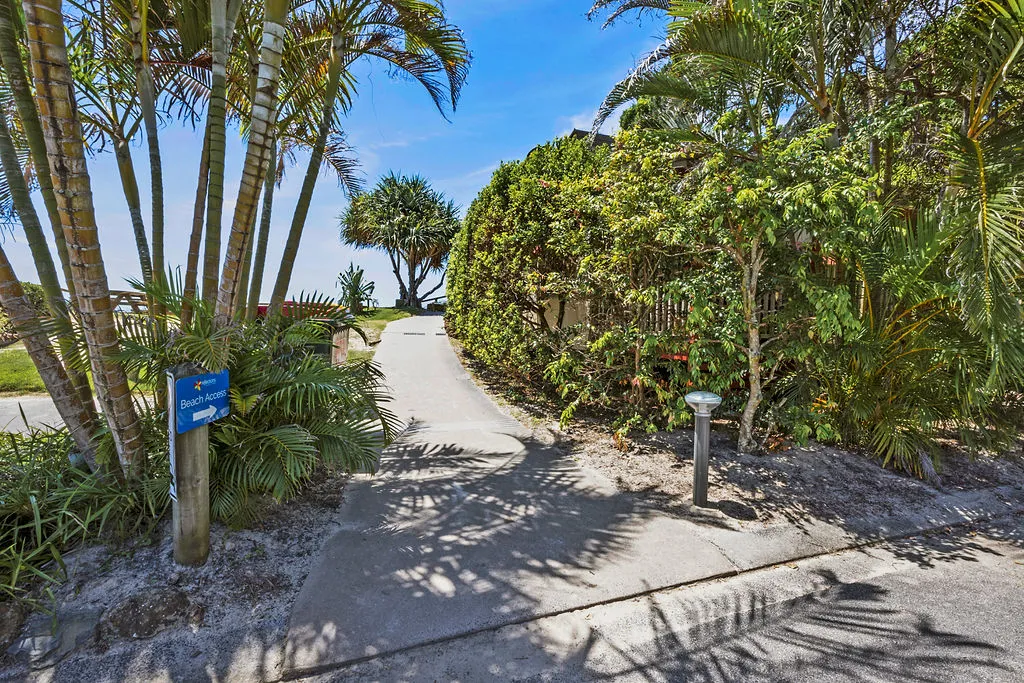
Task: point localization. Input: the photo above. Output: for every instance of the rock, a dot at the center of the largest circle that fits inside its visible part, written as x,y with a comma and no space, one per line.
145,614
45,646
175,579
11,617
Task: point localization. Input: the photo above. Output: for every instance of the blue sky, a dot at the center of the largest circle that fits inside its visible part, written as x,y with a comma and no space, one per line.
540,68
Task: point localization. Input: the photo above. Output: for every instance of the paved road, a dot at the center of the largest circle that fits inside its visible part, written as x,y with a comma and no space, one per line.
483,552
39,411
943,608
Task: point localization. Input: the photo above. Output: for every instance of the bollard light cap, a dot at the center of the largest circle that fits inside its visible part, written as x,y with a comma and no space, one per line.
703,402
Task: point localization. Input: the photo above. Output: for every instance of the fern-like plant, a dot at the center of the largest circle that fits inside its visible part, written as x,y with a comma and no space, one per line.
292,412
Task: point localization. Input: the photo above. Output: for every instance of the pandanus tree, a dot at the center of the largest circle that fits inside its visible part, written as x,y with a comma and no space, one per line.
409,221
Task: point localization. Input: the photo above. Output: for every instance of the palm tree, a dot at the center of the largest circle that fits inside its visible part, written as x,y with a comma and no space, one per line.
67,165
222,27
258,151
413,224
17,79
381,30
356,290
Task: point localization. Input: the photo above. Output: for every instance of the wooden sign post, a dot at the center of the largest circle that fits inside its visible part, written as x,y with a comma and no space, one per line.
190,479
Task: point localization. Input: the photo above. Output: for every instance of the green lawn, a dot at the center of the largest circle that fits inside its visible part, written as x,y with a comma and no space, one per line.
373,325
17,373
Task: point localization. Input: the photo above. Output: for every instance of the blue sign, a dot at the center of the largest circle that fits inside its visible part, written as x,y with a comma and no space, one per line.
200,400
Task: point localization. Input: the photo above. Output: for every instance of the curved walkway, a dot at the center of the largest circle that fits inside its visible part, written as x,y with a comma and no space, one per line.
471,524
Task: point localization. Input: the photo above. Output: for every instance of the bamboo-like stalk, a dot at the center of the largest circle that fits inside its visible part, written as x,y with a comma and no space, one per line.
17,79
260,257
196,238
223,15
130,186
257,157
67,164
147,102
291,247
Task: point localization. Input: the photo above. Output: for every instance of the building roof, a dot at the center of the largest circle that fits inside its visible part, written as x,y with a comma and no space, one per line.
599,139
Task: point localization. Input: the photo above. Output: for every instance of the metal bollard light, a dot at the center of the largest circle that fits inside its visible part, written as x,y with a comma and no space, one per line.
703,403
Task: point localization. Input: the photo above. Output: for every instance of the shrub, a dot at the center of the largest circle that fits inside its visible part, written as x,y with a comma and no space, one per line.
48,504
291,411
513,260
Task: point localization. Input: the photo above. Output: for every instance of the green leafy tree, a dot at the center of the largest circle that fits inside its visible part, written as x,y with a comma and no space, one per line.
409,221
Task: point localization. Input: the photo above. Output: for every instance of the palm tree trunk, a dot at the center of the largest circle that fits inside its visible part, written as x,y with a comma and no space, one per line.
66,155
147,102
260,257
291,247
130,185
196,238
223,15
257,156
45,269
14,69
79,420
22,201
242,292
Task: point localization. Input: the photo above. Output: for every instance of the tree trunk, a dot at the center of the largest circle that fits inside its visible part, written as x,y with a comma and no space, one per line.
257,156
66,155
223,14
196,238
147,102
751,273
291,247
22,200
403,291
14,69
412,300
78,418
130,184
260,257
242,292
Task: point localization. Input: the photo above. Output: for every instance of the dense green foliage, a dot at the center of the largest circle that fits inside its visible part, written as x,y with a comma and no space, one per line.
804,223
521,244
48,504
292,412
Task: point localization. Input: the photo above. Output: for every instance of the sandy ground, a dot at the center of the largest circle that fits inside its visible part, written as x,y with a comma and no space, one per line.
228,616
793,484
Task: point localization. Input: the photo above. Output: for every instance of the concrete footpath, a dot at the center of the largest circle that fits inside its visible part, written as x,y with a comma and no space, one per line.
474,525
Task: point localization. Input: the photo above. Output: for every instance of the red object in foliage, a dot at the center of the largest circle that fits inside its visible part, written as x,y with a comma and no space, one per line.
675,356
288,307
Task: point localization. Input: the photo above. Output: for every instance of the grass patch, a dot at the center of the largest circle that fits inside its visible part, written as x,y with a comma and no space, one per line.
18,374
373,325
